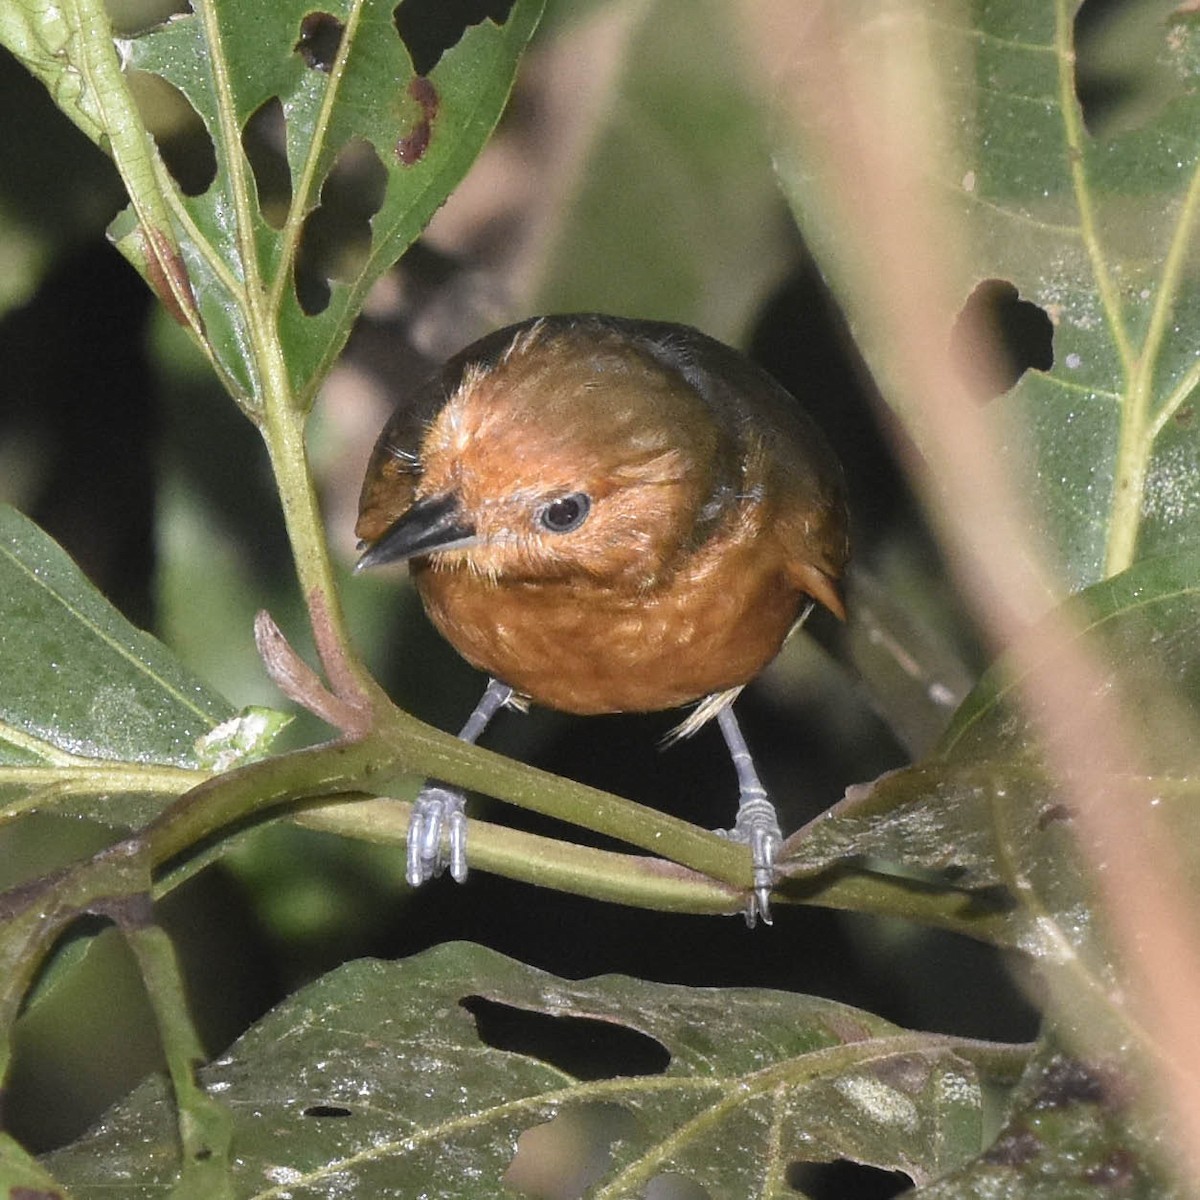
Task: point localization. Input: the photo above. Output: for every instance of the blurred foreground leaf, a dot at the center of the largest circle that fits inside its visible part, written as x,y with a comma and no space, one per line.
1094,229
1067,1137
982,815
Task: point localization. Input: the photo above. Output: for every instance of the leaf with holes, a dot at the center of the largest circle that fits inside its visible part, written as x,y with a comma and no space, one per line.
1069,1135
982,815
331,154
1093,226
97,719
423,1077
1078,247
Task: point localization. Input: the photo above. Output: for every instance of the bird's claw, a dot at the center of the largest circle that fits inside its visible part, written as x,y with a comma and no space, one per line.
437,835
757,828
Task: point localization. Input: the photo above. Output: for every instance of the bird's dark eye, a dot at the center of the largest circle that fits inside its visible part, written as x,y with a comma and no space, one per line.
566,513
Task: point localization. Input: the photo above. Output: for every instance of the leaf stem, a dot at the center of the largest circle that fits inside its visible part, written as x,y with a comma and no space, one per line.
283,432
1139,426
401,745
276,414
205,1125
135,155
636,880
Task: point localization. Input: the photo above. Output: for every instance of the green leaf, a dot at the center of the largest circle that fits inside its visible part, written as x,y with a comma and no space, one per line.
96,717
375,1081
1068,1136
20,1175
1097,230
982,805
405,139
982,814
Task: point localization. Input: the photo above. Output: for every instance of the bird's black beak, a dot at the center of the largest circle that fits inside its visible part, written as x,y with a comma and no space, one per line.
435,523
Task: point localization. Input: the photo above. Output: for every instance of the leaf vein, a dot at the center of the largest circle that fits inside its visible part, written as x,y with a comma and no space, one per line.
110,641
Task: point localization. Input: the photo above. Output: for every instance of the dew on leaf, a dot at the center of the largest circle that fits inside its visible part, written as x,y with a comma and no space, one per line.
886,1105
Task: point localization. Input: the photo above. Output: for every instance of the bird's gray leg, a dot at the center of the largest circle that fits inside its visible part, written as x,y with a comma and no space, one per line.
440,811
756,825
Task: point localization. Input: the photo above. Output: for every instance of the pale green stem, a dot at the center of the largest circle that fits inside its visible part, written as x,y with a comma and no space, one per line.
1139,425
133,151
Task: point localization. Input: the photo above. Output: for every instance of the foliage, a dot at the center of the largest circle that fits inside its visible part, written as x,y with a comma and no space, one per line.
389,1079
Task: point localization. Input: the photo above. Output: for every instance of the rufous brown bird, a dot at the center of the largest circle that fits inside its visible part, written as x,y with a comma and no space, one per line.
607,515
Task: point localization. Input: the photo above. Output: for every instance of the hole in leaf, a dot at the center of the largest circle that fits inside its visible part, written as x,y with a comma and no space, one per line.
131,17
998,337
561,1159
336,238
181,136
583,1047
326,1110
320,37
264,141
1122,79
428,28
845,1180
673,1186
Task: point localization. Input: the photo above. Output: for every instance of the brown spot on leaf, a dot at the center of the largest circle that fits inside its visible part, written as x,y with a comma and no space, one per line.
319,41
1053,814
907,1073
411,147
1014,1149
848,1030
1068,1082
167,275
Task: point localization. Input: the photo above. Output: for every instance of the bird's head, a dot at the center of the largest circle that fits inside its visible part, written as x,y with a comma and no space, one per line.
558,459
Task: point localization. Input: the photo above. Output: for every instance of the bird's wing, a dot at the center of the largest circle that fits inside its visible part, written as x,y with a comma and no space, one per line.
781,446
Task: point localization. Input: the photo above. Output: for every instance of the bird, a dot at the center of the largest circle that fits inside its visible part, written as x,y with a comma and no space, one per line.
607,514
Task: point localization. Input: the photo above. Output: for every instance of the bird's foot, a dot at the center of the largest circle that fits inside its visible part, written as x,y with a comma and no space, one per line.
437,835
757,827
